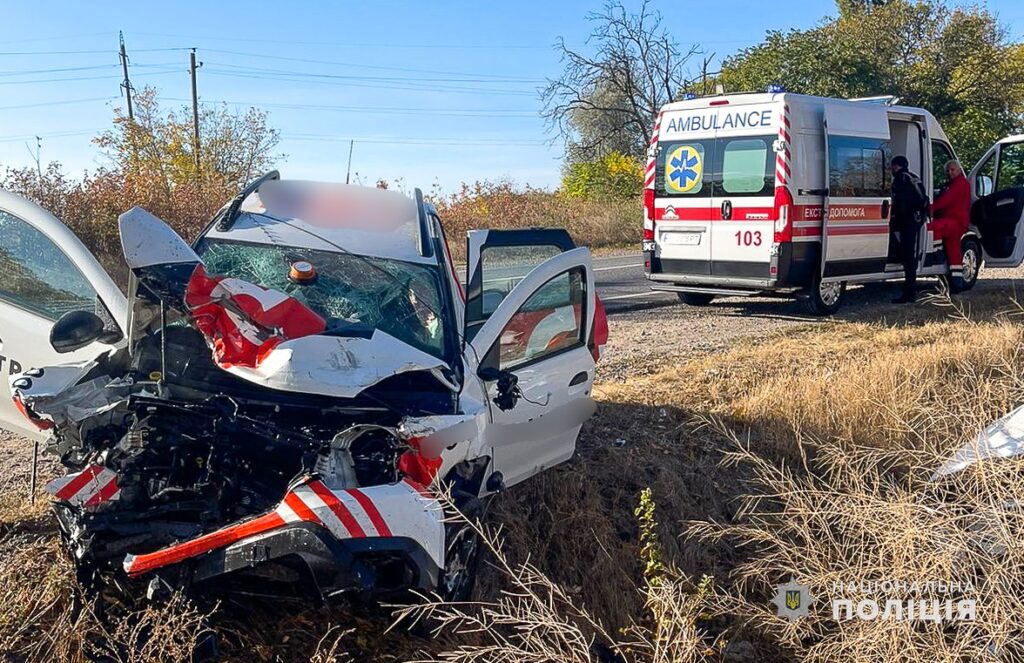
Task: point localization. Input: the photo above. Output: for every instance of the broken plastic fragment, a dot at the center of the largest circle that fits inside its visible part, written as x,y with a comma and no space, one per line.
242,321
89,488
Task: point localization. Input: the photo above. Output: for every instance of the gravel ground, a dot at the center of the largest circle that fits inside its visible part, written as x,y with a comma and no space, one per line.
645,341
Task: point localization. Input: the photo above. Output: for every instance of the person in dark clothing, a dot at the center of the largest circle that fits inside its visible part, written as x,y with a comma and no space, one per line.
909,204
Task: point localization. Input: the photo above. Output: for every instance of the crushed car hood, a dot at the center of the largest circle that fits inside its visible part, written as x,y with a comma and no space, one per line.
260,335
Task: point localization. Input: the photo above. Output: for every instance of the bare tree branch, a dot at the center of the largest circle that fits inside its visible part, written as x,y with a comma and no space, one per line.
606,100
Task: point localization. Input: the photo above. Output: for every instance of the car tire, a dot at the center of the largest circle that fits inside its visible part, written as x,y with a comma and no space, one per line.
695,298
971,251
462,550
825,298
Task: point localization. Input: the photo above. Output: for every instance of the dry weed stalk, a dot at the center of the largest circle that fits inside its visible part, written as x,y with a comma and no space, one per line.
848,517
536,620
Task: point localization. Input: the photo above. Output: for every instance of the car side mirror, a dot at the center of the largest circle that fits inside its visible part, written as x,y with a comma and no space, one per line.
508,387
77,329
983,185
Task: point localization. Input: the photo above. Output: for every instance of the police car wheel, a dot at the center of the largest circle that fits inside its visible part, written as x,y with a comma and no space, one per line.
695,298
825,298
462,550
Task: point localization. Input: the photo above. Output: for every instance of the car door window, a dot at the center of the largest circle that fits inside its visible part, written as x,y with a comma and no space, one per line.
549,322
985,177
502,267
941,155
36,275
858,167
748,166
1011,167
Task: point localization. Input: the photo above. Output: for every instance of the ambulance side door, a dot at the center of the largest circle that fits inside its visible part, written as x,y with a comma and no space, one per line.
855,218
998,209
45,272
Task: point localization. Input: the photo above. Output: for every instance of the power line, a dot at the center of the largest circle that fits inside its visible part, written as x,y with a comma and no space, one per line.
25,72
291,42
370,66
355,77
57,134
392,86
376,110
106,51
85,78
64,102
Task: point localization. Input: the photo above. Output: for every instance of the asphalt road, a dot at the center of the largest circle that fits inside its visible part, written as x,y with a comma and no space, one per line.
622,286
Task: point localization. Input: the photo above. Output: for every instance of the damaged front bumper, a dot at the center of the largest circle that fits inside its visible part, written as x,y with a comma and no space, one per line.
367,541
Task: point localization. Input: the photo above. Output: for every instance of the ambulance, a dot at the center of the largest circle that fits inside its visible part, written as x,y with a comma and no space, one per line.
786,194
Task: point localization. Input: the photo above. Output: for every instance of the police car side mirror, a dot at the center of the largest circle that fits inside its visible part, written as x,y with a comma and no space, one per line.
75,330
507,388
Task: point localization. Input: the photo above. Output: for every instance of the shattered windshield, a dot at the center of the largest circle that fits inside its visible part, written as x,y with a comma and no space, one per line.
400,298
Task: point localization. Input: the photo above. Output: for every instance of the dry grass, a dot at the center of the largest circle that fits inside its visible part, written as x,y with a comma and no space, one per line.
806,453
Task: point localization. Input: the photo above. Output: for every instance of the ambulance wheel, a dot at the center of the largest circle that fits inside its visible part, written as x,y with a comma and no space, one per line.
971,250
695,298
825,298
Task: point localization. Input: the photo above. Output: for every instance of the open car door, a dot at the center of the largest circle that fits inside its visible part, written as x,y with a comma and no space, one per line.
45,273
536,335
855,218
998,208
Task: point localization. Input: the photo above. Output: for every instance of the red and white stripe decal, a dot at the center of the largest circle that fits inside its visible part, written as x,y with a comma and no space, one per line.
784,158
347,514
89,488
651,154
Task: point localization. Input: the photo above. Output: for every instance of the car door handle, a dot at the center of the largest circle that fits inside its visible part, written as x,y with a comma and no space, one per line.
885,209
726,209
579,378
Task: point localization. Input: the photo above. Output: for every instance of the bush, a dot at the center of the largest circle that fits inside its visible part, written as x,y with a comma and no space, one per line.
615,175
503,205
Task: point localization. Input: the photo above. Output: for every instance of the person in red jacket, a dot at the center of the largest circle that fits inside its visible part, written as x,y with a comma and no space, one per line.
951,214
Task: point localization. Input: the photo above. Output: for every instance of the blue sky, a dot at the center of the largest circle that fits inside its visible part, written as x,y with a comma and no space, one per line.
431,92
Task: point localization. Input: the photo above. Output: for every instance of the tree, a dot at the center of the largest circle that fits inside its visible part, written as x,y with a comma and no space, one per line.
956,62
606,101
152,164
234,148
615,175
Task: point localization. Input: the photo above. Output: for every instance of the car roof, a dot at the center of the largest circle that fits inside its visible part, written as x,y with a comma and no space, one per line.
329,217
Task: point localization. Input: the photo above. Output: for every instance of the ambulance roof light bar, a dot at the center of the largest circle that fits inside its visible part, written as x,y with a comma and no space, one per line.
883,100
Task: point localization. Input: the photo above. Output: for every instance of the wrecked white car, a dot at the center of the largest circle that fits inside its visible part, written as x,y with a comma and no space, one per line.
276,407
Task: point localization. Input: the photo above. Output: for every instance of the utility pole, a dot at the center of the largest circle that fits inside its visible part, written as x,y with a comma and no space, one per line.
348,171
195,106
127,84
35,157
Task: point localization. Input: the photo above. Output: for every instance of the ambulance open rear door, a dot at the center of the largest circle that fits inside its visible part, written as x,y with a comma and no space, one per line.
855,225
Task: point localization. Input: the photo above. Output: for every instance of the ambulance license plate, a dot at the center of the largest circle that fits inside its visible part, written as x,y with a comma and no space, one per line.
681,239
648,246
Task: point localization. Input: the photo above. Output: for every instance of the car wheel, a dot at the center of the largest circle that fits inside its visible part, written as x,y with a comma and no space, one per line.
971,263
695,298
462,551
825,298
